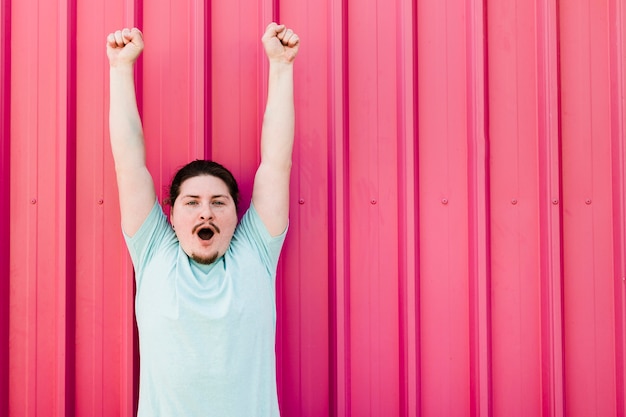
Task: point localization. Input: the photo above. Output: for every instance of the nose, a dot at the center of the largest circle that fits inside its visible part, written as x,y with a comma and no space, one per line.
206,213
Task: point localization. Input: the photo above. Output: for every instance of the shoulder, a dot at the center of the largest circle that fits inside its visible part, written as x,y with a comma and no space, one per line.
153,234
252,239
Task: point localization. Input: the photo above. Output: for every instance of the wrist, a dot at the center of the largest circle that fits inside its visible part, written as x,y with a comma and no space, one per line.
281,66
121,67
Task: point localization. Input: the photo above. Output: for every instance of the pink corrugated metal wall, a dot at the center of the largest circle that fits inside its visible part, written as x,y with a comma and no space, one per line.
458,230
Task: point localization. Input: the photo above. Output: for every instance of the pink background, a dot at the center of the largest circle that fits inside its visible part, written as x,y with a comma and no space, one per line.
458,232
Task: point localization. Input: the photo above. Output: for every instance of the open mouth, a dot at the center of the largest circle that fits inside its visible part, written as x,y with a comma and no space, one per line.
205,233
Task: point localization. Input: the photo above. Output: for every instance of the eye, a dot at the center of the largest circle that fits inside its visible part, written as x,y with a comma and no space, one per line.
218,203
191,203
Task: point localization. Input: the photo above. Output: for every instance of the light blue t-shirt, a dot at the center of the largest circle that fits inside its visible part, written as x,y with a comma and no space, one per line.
206,332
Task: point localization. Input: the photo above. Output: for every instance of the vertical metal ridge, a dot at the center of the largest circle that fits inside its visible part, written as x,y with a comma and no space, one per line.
407,217
5,190
208,84
63,119
275,11
478,219
339,209
617,51
550,208
70,209
198,78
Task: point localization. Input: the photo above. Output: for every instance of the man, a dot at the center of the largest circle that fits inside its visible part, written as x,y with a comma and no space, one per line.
205,302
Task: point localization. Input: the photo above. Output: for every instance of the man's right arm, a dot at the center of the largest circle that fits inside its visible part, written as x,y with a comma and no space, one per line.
134,182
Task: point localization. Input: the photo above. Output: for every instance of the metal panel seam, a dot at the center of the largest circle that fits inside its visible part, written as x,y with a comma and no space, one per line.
478,216
70,211
550,209
617,50
339,207
5,218
408,213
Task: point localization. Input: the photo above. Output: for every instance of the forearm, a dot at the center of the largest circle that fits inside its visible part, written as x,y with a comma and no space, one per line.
277,135
125,128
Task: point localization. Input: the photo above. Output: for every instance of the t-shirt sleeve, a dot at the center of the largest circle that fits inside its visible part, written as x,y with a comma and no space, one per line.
252,229
154,232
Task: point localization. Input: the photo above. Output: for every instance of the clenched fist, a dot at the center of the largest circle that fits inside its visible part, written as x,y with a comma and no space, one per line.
124,46
281,43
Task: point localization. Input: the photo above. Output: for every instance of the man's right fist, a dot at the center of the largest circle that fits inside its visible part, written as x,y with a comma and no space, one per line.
124,46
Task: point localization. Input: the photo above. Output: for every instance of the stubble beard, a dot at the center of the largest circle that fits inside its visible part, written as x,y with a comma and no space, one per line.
205,260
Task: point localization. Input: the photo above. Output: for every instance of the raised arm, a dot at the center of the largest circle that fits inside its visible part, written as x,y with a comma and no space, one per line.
134,182
270,195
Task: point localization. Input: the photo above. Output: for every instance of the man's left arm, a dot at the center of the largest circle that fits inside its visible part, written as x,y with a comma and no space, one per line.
270,194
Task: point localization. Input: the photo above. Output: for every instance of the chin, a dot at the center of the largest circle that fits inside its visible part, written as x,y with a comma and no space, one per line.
205,260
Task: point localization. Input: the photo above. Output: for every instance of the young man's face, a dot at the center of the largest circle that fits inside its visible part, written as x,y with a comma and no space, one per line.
204,217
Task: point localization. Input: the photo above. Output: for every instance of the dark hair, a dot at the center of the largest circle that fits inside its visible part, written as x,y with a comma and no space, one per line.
203,167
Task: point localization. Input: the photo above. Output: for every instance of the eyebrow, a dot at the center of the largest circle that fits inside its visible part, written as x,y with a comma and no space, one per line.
212,197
